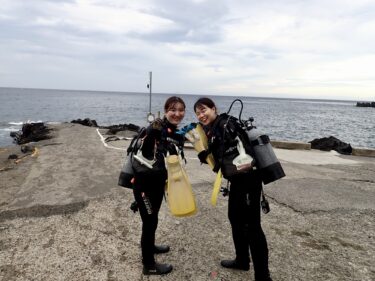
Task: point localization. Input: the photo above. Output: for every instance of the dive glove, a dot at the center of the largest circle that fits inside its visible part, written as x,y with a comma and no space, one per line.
157,124
203,156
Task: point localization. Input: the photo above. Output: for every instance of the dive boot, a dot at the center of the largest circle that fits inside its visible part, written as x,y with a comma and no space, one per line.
161,249
157,269
234,264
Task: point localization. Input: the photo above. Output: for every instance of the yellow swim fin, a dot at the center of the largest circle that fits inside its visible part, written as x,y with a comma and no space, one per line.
198,138
180,195
216,190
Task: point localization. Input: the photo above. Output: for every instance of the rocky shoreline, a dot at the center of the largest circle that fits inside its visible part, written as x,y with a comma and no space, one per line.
366,104
33,132
63,217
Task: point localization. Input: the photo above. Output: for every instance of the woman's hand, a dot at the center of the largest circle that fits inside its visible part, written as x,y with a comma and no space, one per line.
203,156
157,124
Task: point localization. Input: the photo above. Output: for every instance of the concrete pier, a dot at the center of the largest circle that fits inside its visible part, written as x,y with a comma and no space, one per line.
63,217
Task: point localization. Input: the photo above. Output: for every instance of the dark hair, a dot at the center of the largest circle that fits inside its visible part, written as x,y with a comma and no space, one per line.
172,101
204,101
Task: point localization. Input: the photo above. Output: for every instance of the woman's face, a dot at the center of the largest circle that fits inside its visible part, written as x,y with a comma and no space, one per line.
175,114
205,114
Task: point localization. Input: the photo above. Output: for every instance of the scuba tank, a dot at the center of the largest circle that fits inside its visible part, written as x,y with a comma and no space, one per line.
261,149
265,159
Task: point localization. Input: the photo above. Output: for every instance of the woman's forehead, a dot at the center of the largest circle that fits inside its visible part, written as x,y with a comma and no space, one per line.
177,105
201,107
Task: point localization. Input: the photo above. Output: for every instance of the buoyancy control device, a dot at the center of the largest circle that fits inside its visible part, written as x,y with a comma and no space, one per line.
259,145
127,171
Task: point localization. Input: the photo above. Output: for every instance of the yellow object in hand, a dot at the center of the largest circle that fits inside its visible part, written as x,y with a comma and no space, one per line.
180,196
198,138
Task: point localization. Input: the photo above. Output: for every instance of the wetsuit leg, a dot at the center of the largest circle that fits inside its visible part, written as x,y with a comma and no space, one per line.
257,239
244,215
149,202
236,208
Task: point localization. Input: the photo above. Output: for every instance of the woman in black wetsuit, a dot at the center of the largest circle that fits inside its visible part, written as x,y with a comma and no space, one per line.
161,138
244,195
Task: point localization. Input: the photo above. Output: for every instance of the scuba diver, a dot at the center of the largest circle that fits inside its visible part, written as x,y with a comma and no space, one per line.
161,138
223,133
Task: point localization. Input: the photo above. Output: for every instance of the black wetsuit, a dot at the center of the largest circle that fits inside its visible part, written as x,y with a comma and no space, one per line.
149,187
244,200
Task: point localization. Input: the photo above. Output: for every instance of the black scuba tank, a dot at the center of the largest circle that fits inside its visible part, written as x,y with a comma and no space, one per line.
127,170
265,159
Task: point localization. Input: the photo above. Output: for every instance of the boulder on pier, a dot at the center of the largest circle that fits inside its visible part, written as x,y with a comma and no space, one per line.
331,143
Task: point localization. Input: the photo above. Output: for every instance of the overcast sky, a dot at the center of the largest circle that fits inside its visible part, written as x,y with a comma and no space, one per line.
275,48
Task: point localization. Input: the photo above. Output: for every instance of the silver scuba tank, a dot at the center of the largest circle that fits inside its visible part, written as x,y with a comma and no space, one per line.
265,159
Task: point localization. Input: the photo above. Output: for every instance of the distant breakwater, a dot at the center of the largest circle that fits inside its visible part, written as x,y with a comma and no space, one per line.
366,104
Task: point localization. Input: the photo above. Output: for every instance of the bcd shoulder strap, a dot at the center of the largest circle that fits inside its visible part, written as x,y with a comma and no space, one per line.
135,143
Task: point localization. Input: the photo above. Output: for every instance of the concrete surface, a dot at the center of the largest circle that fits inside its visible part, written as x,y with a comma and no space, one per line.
367,152
63,217
290,145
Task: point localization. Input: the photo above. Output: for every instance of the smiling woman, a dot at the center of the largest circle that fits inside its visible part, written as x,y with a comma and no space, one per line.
160,142
245,190
205,111
174,110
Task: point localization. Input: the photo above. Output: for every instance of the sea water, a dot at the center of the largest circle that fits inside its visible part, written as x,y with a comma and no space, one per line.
282,119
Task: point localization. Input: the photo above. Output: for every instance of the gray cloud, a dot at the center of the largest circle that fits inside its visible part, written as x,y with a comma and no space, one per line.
197,22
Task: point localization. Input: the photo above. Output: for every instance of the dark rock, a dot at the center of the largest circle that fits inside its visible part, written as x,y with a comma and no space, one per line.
366,104
12,156
31,132
27,148
331,143
85,122
113,129
111,138
15,134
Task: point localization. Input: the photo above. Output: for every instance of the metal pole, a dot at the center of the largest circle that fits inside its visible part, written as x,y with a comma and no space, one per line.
150,116
150,90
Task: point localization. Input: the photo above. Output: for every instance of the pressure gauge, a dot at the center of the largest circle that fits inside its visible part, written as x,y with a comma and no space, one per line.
150,117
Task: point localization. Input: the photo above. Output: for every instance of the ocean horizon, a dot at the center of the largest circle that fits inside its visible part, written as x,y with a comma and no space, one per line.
289,119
